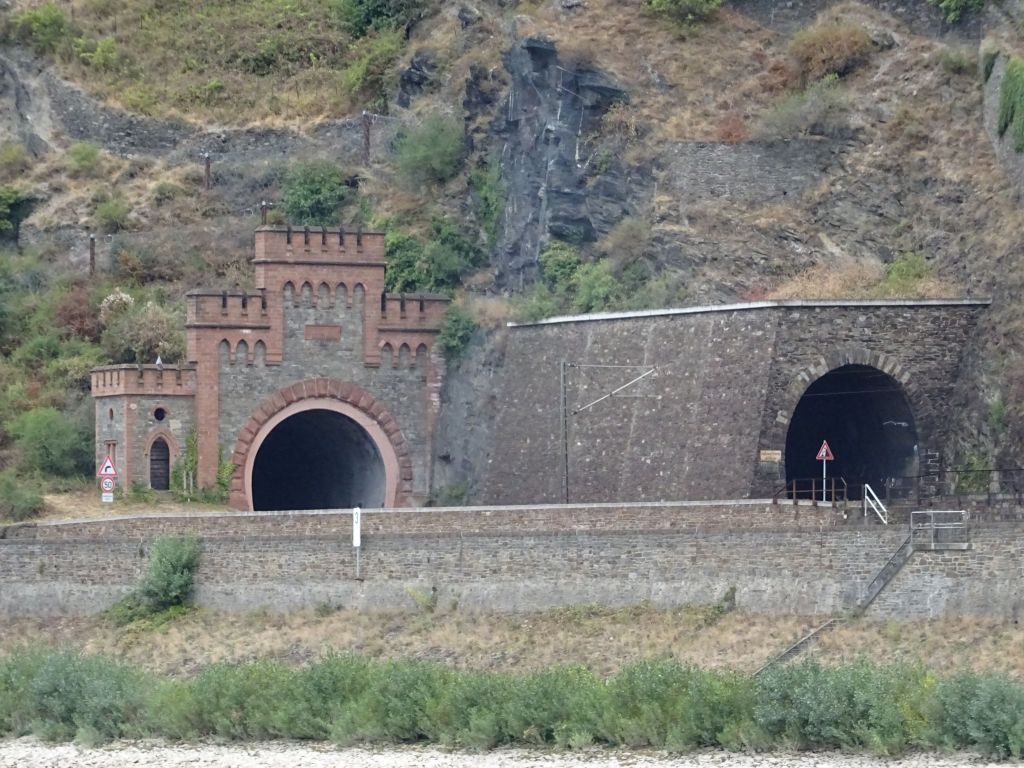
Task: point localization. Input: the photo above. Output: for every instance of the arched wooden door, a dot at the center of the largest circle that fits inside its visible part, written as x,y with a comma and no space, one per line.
159,465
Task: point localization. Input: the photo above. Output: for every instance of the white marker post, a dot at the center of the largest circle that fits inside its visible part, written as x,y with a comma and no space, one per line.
357,538
824,456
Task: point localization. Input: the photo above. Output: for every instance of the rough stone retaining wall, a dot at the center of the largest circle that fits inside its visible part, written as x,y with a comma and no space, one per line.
780,560
724,386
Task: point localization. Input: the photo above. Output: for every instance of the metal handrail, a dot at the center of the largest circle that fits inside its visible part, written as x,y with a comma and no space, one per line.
871,499
809,489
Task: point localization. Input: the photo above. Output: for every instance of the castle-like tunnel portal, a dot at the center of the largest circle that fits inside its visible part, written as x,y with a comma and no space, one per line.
865,416
317,459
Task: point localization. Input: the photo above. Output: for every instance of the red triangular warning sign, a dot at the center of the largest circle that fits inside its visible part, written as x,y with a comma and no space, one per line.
107,469
824,453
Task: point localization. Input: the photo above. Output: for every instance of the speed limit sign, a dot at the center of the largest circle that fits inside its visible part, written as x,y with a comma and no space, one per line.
107,484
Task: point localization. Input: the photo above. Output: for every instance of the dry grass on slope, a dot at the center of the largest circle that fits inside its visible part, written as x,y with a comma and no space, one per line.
603,639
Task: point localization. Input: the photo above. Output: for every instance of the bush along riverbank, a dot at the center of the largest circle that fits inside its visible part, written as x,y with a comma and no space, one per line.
59,695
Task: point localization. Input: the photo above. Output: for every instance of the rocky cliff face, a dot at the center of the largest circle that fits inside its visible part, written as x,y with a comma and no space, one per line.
551,109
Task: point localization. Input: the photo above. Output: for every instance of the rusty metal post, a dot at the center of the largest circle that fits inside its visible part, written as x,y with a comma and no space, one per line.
264,210
814,491
206,172
92,255
366,137
795,500
833,493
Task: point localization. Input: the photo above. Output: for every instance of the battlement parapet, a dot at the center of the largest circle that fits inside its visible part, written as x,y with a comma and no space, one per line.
113,380
226,309
318,245
413,311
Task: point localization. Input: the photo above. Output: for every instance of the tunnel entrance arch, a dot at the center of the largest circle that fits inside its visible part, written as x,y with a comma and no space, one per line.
321,444
865,415
318,459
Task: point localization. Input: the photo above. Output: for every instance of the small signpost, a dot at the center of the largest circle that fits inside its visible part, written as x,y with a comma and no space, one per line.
824,456
357,534
108,478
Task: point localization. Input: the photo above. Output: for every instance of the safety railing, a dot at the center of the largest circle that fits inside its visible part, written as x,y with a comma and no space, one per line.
834,491
872,501
953,485
937,529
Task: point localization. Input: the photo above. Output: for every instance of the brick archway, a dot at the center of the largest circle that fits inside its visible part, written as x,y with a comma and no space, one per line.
835,359
328,394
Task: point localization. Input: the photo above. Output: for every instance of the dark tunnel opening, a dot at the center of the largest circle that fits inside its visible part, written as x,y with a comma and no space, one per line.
866,418
317,459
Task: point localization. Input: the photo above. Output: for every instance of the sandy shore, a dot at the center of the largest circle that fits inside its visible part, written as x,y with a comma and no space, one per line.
29,753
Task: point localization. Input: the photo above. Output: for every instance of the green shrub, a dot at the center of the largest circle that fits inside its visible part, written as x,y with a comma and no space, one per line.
436,265
102,55
559,263
684,11
904,274
829,48
14,160
64,695
432,152
143,332
489,195
362,16
167,584
537,304
369,75
9,197
314,193
596,288
397,705
1011,102
83,158
957,62
952,10
456,331
50,442
820,110
854,706
112,215
46,28
560,706
19,499
169,576
654,703
166,192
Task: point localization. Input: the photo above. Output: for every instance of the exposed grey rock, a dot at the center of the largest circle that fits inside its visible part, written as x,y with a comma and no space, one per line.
552,108
468,16
417,77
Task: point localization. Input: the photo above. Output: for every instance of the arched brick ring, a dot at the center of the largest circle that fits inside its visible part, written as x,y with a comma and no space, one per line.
837,359
356,403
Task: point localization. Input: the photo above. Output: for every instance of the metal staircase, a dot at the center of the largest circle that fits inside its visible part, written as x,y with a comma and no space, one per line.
929,530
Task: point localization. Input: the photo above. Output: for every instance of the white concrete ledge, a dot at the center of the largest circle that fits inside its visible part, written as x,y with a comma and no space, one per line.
748,305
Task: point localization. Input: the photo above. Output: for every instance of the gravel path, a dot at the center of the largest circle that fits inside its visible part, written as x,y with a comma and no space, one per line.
29,753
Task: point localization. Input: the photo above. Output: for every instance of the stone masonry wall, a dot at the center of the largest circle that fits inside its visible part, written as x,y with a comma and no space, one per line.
780,560
920,345
724,385
399,383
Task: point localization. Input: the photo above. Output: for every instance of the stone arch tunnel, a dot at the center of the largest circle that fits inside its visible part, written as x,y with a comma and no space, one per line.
317,459
866,418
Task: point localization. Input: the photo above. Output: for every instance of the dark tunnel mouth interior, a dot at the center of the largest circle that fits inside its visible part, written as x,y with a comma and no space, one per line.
865,416
317,459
